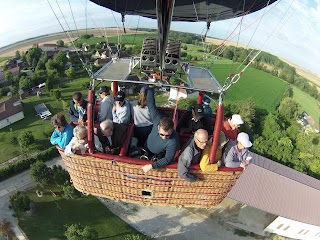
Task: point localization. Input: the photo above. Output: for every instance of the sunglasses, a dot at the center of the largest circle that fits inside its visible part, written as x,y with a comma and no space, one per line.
165,135
204,142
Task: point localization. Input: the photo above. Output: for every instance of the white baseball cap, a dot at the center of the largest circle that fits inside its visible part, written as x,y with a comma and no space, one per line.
236,119
243,138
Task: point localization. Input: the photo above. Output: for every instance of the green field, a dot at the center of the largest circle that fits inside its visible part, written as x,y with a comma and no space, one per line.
2,59
308,103
265,89
41,129
53,213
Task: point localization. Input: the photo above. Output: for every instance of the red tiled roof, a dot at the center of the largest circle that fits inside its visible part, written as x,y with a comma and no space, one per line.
280,190
14,70
9,108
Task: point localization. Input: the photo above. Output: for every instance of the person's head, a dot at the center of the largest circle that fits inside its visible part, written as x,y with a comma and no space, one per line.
59,122
197,112
106,128
81,133
142,102
104,91
201,138
120,97
77,98
235,121
165,127
243,141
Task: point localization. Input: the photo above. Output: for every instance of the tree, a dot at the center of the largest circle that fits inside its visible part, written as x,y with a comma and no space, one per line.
71,73
40,173
56,94
78,232
25,139
24,83
70,192
33,56
185,47
19,202
17,54
60,176
49,85
289,109
60,43
8,76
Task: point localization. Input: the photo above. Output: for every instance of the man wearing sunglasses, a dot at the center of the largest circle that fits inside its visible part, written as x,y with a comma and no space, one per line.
191,153
163,139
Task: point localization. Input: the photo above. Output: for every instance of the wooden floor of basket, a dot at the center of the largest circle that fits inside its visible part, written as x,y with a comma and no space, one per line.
114,179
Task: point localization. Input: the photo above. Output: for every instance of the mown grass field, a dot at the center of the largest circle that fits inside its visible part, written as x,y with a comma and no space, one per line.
308,103
265,89
41,129
53,213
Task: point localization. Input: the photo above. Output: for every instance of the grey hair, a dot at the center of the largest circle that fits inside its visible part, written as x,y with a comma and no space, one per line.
80,131
106,124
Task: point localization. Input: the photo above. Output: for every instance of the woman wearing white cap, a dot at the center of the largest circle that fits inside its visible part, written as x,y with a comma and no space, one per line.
237,153
230,126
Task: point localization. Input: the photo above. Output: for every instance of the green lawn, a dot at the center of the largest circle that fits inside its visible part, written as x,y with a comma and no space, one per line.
265,89
41,129
308,103
53,213
2,59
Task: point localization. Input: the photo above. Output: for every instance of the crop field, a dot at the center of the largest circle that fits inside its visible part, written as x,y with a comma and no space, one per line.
126,39
308,103
265,89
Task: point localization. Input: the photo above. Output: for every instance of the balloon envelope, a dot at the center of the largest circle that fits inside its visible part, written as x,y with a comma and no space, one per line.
188,10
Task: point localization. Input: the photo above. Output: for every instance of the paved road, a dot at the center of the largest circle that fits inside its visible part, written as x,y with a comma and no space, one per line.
156,221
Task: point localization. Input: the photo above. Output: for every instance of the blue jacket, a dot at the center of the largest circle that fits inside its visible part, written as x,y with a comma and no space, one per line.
154,142
62,138
74,114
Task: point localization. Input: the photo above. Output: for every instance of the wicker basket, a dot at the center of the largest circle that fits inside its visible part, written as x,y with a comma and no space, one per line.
111,177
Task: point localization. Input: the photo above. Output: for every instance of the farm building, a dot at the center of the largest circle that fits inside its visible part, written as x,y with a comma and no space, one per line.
282,200
11,111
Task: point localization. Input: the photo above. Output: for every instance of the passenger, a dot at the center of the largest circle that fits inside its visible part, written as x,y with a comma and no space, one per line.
106,104
141,117
230,126
80,141
121,109
191,153
205,164
112,136
207,109
63,132
162,140
78,109
236,153
193,120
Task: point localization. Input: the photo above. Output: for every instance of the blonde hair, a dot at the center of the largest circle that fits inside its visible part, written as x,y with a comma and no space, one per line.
80,131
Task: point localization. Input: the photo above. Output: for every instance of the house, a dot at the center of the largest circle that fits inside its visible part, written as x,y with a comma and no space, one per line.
71,54
46,47
308,124
15,71
290,196
103,54
101,62
11,111
85,47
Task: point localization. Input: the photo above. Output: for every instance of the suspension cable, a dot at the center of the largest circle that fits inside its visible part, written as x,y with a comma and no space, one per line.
73,19
234,78
74,47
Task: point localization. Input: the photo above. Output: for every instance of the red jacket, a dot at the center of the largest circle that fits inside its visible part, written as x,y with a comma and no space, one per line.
230,134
